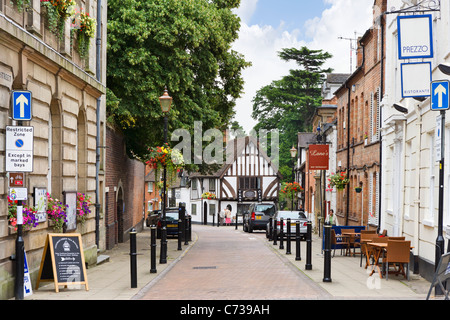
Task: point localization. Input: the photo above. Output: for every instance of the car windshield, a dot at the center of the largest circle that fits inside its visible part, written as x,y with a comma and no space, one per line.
267,209
291,214
171,216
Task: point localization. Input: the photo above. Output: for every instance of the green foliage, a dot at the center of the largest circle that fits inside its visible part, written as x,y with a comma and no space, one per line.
183,45
288,105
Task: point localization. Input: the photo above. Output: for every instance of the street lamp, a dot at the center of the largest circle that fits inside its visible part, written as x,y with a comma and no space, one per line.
166,101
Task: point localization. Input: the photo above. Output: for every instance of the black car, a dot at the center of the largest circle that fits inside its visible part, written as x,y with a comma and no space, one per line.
172,216
257,216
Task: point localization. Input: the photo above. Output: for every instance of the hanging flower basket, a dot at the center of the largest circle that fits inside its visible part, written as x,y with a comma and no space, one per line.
358,189
83,207
57,13
171,159
292,189
56,213
84,26
29,216
339,180
209,196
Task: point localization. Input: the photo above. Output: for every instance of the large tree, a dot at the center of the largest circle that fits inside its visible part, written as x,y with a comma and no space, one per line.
183,45
287,105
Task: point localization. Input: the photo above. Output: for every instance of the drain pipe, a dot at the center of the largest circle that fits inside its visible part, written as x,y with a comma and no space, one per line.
97,152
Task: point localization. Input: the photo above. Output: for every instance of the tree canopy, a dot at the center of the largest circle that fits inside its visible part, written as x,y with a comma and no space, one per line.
288,105
184,45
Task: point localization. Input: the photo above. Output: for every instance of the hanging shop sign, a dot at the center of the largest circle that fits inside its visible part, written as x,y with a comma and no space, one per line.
319,156
415,36
416,78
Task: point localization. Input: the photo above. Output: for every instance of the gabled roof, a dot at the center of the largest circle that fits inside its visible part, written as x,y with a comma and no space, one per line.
233,149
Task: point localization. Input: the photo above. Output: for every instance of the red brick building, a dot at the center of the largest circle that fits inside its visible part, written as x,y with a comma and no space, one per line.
358,146
124,192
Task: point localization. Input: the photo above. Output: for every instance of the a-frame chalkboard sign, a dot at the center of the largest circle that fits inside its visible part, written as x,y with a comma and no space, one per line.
63,261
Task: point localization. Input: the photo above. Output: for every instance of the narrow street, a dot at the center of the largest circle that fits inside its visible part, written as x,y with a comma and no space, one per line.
228,264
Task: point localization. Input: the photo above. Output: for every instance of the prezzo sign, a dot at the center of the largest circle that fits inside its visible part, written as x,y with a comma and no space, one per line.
415,37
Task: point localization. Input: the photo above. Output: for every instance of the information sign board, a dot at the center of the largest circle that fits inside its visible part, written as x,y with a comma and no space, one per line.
19,149
63,261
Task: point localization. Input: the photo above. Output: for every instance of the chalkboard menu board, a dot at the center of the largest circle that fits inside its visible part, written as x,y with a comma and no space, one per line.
63,261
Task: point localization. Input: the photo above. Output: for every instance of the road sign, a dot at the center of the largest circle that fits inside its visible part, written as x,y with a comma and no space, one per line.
440,95
21,102
16,179
19,149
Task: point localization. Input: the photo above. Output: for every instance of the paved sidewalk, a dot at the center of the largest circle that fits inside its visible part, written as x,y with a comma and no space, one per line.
111,280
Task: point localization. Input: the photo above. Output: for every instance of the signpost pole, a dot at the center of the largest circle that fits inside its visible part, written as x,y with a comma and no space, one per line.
440,238
20,247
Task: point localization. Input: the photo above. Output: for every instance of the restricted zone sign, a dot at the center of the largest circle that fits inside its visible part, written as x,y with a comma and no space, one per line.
19,149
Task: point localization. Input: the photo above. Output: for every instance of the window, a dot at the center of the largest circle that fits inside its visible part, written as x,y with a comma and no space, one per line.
150,187
194,184
250,183
212,185
212,209
194,209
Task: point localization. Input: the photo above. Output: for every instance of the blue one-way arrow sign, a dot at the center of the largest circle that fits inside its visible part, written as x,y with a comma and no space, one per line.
440,95
21,101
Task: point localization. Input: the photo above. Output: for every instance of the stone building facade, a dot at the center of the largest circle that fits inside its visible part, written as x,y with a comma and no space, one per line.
68,116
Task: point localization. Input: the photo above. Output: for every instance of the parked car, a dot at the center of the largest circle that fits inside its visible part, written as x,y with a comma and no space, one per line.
152,218
172,216
257,216
294,216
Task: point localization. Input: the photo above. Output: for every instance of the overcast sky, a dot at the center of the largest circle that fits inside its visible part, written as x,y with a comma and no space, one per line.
267,26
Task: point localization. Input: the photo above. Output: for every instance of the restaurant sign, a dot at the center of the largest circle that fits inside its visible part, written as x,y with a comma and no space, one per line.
319,156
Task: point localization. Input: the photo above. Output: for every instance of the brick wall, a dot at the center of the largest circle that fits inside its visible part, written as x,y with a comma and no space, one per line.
125,190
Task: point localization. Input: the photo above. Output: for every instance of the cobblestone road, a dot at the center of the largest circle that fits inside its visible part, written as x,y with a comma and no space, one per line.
228,264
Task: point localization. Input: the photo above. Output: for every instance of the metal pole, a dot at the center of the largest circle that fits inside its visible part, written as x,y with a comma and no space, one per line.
270,228
308,265
281,234
19,281
179,234
327,253
297,241
133,257
153,249
440,239
163,254
186,230
288,236
275,236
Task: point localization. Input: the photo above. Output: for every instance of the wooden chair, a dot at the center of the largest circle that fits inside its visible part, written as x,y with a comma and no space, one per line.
365,248
368,232
398,253
335,242
352,243
396,238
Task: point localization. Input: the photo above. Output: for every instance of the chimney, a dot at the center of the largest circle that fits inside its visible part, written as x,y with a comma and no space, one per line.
359,53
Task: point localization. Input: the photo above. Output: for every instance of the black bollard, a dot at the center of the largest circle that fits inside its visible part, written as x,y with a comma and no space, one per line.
327,253
275,235
190,228
133,257
180,234
270,229
297,241
153,249
281,234
308,265
288,236
186,230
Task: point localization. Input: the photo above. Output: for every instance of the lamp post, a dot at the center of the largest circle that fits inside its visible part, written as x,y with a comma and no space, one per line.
165,101
293,152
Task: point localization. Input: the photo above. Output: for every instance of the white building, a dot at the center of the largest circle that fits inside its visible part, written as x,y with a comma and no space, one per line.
410,167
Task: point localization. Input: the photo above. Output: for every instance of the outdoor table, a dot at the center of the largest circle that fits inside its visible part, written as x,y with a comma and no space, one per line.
366,242
346,238
380,247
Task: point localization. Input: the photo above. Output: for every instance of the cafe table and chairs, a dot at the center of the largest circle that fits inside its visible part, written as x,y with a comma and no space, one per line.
366,250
